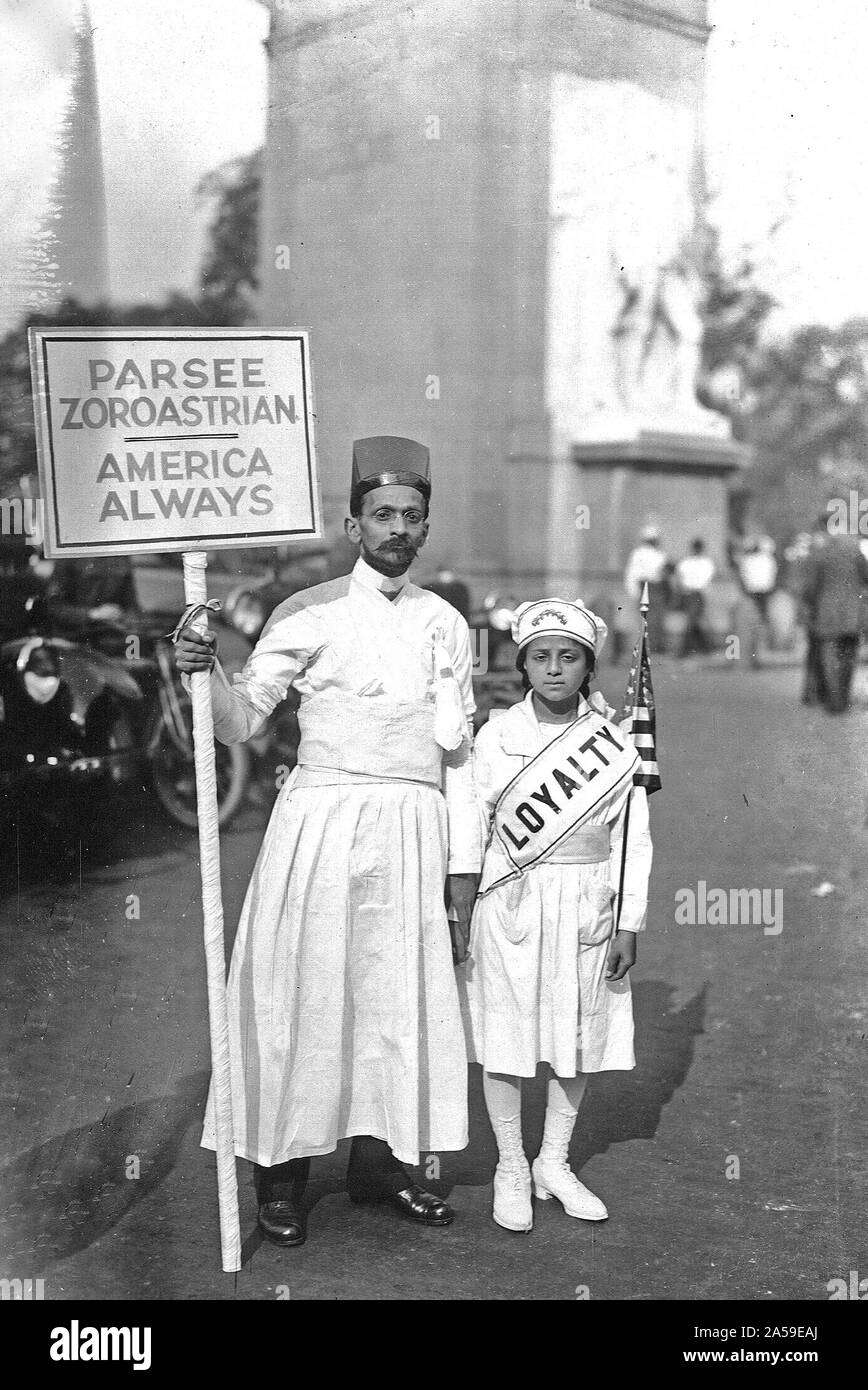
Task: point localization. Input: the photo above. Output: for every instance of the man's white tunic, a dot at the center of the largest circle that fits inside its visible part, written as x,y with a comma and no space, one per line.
343,1010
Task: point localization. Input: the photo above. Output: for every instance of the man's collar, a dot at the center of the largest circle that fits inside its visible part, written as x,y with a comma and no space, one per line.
387,584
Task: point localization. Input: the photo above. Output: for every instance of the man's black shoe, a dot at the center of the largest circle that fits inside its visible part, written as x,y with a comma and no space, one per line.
409,1199
279,1194
282,1223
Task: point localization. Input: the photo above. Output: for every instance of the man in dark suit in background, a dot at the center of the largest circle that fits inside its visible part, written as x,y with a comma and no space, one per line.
833,593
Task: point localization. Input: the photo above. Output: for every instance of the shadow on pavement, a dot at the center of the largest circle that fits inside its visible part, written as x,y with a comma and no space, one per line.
628,1105
60,1197
618,1106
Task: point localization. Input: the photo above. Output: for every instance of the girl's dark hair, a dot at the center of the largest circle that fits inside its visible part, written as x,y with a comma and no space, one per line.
521,665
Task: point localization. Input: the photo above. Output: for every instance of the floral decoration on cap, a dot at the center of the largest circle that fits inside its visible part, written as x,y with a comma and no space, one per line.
559,617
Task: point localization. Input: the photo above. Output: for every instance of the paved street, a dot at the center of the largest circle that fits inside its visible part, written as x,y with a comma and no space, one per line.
752,1054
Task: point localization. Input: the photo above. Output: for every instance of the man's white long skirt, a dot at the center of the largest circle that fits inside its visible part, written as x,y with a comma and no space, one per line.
343,1010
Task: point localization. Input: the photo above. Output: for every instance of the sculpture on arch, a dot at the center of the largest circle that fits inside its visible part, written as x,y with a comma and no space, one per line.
624,287
657,329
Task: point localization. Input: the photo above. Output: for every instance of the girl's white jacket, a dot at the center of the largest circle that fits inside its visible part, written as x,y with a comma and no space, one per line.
504,745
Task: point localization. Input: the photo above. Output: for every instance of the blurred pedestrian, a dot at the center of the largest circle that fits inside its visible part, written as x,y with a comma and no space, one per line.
693,575
757,569
17,584
649,564
833,593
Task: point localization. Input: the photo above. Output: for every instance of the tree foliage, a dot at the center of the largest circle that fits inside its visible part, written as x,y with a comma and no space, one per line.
735,310
807,420
228,283
229,278
799,399
17,429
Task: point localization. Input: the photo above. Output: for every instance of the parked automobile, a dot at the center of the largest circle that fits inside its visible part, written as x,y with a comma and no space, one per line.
494,619
92,711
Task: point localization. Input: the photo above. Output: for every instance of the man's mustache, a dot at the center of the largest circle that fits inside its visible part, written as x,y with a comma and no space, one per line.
395,545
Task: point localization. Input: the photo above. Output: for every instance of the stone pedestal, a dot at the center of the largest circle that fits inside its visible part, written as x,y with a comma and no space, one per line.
677,481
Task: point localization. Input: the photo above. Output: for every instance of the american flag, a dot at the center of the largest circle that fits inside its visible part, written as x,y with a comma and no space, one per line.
639,719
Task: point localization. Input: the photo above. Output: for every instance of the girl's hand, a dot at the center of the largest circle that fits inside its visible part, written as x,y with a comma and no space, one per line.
622,955
461,895
195,651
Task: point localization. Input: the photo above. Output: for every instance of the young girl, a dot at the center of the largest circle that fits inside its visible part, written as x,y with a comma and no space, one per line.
552,938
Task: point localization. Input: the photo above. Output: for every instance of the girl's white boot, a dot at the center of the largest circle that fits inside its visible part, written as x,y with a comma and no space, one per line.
512,1207
553,1177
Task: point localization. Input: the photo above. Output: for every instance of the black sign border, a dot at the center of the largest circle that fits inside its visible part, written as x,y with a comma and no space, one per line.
197,542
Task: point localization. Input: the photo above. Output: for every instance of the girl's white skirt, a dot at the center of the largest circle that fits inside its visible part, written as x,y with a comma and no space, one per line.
535,982
344,1015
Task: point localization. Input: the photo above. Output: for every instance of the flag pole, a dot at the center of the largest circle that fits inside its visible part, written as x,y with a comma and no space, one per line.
644,604
195,592
623,857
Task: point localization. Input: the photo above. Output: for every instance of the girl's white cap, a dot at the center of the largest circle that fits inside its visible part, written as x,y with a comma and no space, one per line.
560,617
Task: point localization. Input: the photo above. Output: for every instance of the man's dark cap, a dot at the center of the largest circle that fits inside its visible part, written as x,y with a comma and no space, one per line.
386,459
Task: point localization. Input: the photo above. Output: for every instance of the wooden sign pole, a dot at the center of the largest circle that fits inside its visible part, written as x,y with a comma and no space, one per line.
195,591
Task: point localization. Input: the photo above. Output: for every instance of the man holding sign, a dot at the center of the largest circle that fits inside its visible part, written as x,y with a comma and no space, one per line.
179,439
343,1010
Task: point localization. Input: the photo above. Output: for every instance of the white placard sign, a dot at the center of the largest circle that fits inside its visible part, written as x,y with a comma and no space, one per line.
162,439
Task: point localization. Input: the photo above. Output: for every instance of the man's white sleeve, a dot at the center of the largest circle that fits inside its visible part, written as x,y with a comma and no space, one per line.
462,809
282,652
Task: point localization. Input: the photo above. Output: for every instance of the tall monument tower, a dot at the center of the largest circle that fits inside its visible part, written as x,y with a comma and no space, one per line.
77,242
485,211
